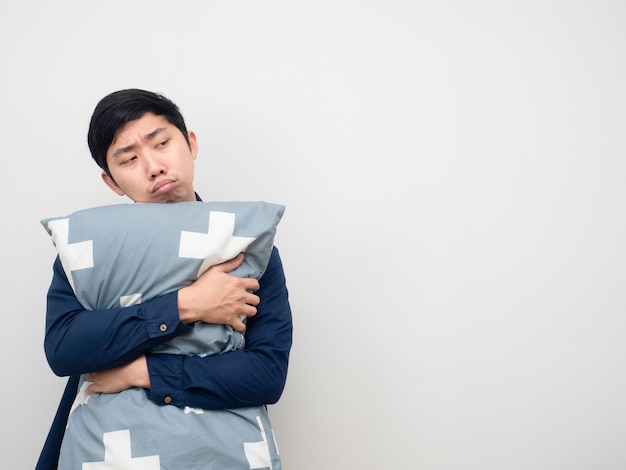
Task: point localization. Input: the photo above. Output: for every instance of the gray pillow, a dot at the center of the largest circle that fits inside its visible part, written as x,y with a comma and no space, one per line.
121,255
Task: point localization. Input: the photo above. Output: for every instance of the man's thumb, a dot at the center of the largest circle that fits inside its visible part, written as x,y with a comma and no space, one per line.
230,265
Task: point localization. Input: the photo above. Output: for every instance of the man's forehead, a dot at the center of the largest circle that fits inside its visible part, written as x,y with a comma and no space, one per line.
146,127
143,124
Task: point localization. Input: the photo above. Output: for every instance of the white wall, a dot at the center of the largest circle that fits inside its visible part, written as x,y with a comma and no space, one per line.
454,237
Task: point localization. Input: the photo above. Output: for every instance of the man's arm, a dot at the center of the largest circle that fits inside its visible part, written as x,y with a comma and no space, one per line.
78,341
253,376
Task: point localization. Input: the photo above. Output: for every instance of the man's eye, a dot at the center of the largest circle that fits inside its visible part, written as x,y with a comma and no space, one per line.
129,160
163,144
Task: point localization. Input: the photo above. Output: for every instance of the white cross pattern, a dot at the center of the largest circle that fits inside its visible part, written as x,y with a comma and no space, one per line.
117,455
81,397
74,256
258,453
215,246
132,299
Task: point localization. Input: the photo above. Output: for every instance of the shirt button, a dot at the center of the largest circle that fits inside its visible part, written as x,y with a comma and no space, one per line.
167,400
163,327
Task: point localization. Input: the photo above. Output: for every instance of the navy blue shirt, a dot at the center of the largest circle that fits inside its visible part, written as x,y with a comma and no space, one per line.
79,341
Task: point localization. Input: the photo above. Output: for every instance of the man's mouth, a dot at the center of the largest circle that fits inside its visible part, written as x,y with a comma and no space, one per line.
163,186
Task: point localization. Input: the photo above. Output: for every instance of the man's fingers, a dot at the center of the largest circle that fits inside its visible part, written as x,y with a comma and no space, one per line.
90,390
251,284
240,327
230,265
252,299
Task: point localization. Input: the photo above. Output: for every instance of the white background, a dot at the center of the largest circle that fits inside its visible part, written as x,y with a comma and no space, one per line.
454,237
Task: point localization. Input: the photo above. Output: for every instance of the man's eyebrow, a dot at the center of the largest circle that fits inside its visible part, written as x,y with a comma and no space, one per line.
154,133
122,150
128,148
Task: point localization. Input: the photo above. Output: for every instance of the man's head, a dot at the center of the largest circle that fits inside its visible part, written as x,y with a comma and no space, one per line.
140,140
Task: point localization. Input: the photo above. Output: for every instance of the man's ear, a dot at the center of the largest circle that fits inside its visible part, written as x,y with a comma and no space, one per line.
193,144
111,184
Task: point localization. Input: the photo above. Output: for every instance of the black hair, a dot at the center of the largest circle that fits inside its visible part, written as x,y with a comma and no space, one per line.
119,108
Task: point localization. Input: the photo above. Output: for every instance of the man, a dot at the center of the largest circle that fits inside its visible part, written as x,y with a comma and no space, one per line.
140,141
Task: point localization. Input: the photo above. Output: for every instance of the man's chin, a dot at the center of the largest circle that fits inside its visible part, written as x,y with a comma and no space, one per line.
174,197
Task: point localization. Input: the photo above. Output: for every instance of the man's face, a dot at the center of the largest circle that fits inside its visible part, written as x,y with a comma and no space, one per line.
150,161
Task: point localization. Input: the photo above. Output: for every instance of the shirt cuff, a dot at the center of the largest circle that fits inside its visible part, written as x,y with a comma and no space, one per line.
162,316
166,379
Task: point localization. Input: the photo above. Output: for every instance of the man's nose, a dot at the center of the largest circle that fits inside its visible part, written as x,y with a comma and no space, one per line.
155,166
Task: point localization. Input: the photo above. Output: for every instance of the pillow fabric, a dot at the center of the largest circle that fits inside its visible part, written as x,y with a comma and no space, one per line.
120,255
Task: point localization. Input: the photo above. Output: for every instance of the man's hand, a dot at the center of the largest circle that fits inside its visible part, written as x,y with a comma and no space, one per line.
218,297
133,374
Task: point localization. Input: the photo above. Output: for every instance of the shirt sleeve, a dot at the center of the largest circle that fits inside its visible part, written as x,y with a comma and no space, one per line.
79,341
253,376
